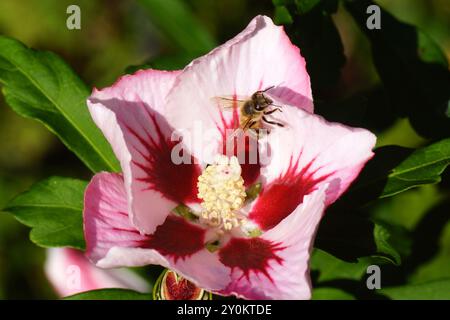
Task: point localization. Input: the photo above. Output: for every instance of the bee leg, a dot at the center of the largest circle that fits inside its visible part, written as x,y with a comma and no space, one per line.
252,124
272,111
277,105
272,122
254,132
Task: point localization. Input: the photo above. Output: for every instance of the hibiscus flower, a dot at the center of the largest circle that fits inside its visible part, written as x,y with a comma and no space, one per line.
230,227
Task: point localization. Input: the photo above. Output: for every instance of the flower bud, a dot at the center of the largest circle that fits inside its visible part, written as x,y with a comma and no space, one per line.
171,286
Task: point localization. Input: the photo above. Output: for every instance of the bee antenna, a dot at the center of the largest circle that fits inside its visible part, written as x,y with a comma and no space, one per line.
268,88
273,86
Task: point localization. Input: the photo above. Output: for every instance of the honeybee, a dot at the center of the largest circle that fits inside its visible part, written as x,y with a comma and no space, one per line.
253,111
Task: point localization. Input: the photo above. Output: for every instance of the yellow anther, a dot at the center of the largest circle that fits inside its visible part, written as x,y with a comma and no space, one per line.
221,188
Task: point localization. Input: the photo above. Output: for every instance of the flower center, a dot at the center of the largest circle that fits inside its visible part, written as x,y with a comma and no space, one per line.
222,190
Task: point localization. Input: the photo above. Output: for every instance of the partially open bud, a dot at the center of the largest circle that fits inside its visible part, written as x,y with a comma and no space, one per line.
171,286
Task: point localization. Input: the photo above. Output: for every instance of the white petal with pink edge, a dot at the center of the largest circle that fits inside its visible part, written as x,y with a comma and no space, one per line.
106,221
306,153
112,241
202,268
260,56
286,268
132,116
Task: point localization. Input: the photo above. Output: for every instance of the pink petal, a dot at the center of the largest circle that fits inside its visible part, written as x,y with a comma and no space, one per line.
106,224
112,241
106,221
307,153
260,56
132,116
202,268
276,265
70,272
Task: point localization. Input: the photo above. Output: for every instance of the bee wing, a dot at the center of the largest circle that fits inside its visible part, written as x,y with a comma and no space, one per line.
229,102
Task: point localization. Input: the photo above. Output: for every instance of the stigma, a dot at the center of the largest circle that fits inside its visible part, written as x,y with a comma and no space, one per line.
221,189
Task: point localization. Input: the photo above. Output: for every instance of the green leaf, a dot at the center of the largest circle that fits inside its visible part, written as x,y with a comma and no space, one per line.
164,62
282,15
424,166
392,242
332,268
53,209
110,294
429,50
326,293
409,207
396,169
176,21
435,290
41,86
350,235
305,6
371,181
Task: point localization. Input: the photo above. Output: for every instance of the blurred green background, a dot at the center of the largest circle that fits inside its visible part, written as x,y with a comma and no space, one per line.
118,34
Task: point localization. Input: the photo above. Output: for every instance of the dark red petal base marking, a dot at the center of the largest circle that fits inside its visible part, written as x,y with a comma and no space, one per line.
180,289
250,171
177,182
177,238
283,195
250,255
